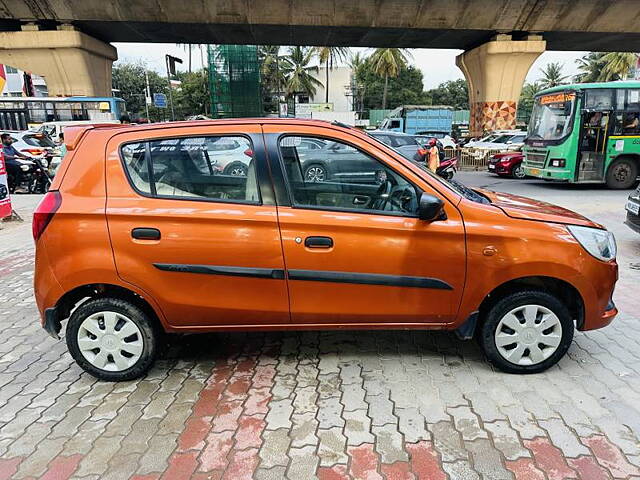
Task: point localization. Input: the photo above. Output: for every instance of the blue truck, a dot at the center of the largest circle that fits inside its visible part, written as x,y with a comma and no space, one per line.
415,119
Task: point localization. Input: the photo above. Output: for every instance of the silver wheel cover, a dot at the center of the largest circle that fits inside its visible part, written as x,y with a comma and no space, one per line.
110,341
315,174
528,335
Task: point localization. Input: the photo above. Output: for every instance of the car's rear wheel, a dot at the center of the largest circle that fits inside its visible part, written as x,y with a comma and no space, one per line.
518,172
622,173
526,332
236,169
112,339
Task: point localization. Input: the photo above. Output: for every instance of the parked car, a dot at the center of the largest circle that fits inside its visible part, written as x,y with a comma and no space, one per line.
504,139
445,139
189,250
633,210
507,164
54,129
405,144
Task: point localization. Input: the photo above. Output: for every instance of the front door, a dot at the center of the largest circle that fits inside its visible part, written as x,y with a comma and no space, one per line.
354,248
591,150
204,244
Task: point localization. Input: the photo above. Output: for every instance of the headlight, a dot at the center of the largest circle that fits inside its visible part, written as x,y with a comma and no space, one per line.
24,168
599,243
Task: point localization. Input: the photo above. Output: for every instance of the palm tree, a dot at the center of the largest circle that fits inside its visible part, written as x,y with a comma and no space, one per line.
552,75
357,62
387,62
590,67
297,72
618,65
188,47
270,62
328,55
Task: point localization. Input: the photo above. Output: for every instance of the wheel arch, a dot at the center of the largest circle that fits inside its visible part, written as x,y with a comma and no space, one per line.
563,290
70,300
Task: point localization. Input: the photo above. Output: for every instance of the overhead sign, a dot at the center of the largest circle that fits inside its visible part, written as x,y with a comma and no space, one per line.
5,199
160,100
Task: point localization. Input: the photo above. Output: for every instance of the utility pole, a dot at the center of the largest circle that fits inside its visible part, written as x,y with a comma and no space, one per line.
171,70
147,94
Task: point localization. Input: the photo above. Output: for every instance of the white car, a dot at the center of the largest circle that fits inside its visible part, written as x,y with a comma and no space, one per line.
54,129
34,144
500,140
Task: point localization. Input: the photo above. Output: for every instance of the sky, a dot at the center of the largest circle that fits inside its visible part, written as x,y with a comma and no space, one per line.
437,65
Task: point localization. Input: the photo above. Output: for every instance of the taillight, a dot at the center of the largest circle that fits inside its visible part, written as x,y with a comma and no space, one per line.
248,152
44,213
33,151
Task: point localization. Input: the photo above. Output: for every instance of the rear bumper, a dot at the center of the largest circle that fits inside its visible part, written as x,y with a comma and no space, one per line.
52,323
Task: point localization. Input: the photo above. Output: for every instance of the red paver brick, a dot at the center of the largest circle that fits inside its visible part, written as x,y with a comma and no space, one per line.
524,469
151,476
264,376
337,472
246,367
588,468
214,455
61,468
238,388
257,402
549,459
397,471
207,403
249,431
226,417
242,465
425,462
181,466
194,434
8,467
610,456
364,462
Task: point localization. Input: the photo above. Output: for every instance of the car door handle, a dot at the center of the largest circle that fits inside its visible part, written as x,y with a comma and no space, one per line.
360,200
318,242
145,233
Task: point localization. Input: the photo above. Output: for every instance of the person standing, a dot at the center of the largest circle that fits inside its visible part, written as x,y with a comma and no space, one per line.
433,155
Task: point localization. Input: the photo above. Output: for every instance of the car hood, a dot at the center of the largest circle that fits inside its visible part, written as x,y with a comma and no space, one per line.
529,209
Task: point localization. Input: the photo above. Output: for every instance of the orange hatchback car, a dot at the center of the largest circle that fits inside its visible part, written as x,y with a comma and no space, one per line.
320,226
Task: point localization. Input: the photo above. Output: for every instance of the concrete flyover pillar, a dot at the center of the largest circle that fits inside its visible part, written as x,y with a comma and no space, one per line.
495,73
71,62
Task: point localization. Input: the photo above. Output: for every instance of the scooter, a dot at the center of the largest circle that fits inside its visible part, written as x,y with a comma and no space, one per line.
40,181
448,168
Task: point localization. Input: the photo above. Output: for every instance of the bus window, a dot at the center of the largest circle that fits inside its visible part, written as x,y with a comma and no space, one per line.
598,99
633,100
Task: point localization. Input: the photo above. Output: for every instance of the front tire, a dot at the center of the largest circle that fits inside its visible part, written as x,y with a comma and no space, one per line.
518,172
622,174
112,339
315,173
526,332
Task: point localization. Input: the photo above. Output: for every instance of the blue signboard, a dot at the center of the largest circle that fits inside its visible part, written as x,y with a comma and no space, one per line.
160,100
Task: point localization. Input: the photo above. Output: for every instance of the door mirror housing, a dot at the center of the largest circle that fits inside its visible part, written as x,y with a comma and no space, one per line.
430,208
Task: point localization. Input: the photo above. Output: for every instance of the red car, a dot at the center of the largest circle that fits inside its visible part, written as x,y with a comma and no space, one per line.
507,164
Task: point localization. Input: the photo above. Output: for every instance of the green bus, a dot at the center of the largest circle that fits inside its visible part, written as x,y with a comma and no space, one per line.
586,133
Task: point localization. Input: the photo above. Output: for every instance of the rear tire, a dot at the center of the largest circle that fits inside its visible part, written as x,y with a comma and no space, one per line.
124,338
526,332
622,174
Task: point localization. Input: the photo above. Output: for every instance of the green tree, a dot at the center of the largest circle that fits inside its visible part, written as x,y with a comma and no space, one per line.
329,55
552,75
297,72
193,96
404,89
129,81
590,67
272,79
387,63
618,65
525,103
454,93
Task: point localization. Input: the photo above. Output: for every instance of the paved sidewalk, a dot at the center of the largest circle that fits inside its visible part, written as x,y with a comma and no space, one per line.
328,405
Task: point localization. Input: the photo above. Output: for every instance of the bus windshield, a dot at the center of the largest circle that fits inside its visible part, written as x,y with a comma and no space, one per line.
552,116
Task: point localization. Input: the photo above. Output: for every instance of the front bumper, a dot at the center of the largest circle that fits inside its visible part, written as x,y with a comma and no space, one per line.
633,222
559,174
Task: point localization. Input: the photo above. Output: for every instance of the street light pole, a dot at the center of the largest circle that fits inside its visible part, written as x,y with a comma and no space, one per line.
147,94
167,60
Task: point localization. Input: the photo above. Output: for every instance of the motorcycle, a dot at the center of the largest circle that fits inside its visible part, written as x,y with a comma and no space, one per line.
448,168
35,177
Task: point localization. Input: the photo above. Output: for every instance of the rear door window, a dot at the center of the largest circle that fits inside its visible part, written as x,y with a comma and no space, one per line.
195,168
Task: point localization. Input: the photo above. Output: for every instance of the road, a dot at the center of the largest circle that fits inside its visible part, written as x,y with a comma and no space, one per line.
327,405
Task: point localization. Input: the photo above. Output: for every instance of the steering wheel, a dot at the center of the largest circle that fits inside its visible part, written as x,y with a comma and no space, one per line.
383,194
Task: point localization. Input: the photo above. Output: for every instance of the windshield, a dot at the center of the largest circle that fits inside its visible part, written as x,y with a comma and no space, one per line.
38,140
551,118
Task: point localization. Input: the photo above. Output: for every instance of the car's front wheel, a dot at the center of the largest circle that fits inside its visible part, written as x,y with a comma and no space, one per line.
112,339
518,172
526,332
315,173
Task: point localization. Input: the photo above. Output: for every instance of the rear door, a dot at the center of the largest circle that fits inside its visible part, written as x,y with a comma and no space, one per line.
204,245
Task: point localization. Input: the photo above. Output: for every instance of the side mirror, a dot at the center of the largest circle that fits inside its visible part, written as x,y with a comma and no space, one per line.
431,208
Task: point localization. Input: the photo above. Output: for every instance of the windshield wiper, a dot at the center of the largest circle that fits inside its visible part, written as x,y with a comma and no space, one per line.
468,193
